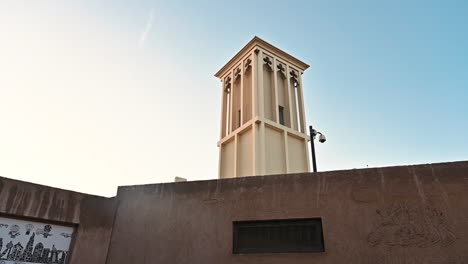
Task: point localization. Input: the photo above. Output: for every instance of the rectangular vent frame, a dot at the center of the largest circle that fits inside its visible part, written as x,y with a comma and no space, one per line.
302,235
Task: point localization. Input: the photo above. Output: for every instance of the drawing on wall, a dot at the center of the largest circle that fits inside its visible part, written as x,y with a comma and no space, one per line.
410,225
31,242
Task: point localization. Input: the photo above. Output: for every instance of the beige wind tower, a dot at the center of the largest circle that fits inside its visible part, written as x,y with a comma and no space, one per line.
263,128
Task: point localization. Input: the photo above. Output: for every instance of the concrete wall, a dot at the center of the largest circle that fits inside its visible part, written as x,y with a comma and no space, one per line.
408,214
91,215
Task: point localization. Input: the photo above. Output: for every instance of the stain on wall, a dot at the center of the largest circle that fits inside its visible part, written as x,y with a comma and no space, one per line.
94,231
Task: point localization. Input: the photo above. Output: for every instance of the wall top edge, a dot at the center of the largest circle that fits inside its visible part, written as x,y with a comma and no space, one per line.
31,185
261,179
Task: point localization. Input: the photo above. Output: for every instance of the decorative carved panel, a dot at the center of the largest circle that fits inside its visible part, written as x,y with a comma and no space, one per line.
410,225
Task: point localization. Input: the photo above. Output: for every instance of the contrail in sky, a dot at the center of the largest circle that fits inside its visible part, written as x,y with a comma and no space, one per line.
149,24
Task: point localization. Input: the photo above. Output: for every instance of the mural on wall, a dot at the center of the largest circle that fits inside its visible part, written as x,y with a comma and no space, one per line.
33,242
410,225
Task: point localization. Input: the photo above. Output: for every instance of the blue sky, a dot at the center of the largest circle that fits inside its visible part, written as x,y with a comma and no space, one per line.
96,94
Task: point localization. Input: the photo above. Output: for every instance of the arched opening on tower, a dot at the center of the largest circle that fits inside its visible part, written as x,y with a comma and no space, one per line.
236,103
283,100
247,96
268,93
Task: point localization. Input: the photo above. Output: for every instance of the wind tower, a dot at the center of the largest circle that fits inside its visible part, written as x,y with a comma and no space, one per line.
263,128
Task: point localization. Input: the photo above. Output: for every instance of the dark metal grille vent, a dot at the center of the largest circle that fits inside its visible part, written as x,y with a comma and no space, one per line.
278,236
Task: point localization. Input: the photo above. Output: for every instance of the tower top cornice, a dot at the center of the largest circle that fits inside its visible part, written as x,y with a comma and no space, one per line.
258,42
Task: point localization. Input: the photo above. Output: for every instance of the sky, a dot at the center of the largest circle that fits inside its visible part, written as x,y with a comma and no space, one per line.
100,94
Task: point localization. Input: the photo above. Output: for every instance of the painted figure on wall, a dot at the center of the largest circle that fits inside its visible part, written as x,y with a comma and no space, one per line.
49,244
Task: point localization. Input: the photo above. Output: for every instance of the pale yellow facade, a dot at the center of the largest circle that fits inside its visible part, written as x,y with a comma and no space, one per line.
263,128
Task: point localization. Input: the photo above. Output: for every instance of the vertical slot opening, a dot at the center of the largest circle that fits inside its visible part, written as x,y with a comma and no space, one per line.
281,114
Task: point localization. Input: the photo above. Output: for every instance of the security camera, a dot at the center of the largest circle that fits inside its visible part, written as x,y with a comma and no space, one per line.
322,138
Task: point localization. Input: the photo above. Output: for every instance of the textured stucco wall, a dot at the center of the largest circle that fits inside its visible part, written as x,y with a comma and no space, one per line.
94,230
407,214
91,215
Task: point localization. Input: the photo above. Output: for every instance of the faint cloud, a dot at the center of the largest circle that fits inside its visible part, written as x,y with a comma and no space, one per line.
145,32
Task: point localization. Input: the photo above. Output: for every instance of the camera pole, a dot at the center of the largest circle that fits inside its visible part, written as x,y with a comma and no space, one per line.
312,148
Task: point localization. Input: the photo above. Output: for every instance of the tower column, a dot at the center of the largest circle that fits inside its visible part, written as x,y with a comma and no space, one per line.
254,68
290,97
231,100
275,90
241,73
301,107
286,151
259,86
223,110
